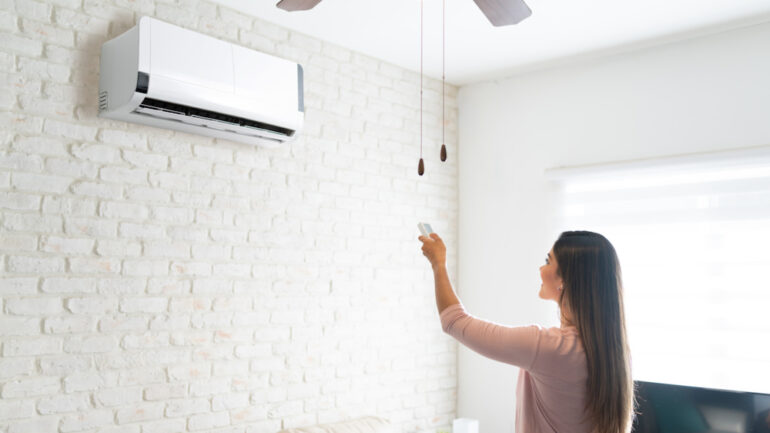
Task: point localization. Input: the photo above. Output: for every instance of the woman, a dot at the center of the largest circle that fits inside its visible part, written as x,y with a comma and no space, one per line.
575,378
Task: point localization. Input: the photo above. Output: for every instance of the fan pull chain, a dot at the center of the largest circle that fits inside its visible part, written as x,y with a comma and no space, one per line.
443,79
421,165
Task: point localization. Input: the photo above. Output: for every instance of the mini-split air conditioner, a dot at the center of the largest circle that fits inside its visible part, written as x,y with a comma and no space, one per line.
162,75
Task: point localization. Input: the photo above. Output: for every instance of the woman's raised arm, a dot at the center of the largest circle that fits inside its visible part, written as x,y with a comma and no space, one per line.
434,249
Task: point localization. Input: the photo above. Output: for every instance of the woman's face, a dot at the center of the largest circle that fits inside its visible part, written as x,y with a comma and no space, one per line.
552,282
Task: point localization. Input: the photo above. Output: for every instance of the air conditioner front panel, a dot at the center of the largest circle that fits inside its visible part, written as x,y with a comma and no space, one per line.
284,88
200,60
166,76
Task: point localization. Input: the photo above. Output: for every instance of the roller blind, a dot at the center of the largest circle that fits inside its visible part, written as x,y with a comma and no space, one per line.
693,238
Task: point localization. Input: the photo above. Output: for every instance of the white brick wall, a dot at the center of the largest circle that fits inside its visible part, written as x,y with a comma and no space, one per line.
154,281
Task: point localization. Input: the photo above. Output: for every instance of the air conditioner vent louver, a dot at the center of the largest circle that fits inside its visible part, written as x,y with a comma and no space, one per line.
179,109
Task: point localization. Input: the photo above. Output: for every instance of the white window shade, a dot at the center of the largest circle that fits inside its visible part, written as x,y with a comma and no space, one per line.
693,237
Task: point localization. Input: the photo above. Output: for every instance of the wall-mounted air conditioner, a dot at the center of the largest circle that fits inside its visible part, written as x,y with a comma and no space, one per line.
166,76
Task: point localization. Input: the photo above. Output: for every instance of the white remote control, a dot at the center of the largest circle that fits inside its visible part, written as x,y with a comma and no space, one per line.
425,229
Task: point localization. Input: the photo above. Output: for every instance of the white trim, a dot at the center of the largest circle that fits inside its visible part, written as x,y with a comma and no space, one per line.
760,154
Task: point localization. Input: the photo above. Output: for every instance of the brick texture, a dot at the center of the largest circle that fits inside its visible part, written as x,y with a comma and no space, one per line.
155,281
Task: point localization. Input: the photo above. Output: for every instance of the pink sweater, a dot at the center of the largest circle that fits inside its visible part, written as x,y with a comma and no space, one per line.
550,395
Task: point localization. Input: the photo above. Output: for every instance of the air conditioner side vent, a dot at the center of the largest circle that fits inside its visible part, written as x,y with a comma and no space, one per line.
179,109
103,100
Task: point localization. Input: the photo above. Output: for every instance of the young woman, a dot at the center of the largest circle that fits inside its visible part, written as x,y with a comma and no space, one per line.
575,378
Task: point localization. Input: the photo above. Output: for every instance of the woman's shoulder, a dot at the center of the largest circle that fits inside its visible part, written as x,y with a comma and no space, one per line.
560,355
553,332
563,341
556,331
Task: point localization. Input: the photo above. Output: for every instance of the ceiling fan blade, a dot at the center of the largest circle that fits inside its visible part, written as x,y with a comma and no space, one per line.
504,12
297,5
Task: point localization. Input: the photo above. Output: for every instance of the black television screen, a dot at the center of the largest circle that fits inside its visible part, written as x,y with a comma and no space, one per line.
664,408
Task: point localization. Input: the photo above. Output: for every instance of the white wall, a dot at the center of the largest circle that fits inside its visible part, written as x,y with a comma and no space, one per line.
706,94
155,281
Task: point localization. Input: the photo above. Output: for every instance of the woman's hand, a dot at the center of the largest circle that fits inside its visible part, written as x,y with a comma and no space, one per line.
434,249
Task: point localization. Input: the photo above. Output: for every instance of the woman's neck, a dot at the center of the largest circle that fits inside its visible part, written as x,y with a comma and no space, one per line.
566,318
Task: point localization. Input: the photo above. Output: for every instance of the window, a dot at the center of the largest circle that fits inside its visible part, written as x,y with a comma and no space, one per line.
693,238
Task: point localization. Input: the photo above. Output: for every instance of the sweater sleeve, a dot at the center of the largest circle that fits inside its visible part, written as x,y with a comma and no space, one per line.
513,345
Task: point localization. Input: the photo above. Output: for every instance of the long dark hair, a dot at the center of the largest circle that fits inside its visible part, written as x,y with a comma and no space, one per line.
593,294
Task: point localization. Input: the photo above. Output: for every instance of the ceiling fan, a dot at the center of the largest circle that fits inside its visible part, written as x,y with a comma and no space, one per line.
499,12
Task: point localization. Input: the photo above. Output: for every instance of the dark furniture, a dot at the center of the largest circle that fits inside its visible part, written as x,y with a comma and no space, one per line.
665,408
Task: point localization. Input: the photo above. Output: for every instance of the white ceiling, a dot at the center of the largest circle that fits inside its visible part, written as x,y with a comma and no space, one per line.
475,50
